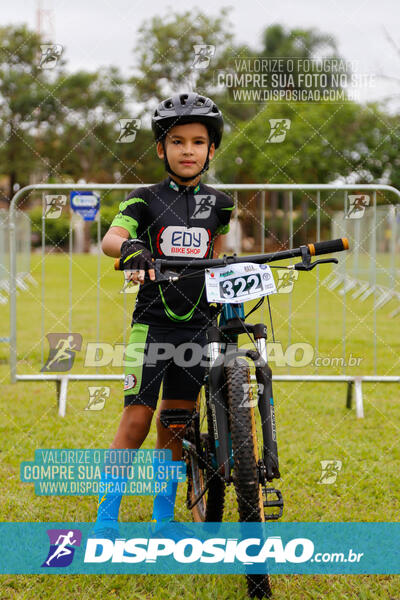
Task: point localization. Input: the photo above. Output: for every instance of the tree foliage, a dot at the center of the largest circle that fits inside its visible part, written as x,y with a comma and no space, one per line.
60,125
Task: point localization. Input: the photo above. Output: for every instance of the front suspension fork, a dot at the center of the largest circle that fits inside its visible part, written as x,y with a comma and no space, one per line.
218,407
267,411
269,467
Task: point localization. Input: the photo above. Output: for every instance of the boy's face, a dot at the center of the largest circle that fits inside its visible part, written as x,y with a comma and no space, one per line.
186,147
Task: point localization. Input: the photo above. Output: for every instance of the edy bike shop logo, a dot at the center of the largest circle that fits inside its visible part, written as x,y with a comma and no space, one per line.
63,543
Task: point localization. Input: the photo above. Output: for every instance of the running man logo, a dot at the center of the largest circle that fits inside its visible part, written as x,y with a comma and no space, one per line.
330,470
129,129
286,279
54,205
279,129
129,287
50,55
97,397
62,351
202,55
62,547
250,399
204,205
357,206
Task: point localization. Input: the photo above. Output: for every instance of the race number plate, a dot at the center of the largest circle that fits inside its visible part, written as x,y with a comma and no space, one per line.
239,283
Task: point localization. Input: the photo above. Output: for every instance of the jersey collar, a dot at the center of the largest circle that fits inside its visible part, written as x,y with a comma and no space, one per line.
181,188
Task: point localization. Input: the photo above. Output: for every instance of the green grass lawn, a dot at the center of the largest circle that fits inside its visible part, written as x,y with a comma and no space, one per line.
312,420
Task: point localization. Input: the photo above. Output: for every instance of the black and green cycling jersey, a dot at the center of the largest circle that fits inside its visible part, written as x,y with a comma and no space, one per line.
181,222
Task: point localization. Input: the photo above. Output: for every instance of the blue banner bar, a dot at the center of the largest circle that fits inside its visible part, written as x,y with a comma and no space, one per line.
282,548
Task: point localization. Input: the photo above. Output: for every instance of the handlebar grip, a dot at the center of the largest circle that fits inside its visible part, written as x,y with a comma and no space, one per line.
329,246
117,264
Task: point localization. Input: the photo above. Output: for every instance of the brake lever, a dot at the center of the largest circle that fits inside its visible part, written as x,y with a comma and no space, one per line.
308,266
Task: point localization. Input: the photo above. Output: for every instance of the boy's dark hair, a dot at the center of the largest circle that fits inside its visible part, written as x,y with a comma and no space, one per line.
187,108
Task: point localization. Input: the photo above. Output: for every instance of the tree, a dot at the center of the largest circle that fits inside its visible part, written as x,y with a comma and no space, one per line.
54,122
325,142
297,43
27,101
84,145
166,55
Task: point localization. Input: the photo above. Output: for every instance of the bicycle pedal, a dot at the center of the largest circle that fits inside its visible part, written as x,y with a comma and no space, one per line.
275,502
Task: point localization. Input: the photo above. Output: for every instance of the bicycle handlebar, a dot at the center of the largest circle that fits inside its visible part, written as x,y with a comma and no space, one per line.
315,249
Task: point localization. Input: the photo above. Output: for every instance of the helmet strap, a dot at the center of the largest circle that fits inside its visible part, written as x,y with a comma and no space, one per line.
169,169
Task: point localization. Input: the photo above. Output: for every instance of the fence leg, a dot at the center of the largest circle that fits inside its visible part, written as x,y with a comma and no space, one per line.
359,399
349,399
62,388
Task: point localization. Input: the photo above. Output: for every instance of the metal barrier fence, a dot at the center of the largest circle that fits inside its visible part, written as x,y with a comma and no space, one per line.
363,279
23,249
324,203
23,252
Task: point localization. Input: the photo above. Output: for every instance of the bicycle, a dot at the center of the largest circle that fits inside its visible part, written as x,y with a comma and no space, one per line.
220,444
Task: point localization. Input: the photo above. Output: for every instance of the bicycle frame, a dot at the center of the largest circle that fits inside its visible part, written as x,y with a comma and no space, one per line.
217,336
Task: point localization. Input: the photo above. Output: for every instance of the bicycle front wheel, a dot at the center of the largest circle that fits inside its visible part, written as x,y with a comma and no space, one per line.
245,455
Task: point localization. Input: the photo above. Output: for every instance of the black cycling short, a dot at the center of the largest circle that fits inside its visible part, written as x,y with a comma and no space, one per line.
175,357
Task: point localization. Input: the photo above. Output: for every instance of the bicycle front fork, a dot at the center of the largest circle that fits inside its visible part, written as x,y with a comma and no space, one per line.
269,467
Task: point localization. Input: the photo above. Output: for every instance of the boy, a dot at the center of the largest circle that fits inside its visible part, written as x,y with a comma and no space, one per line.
179,217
